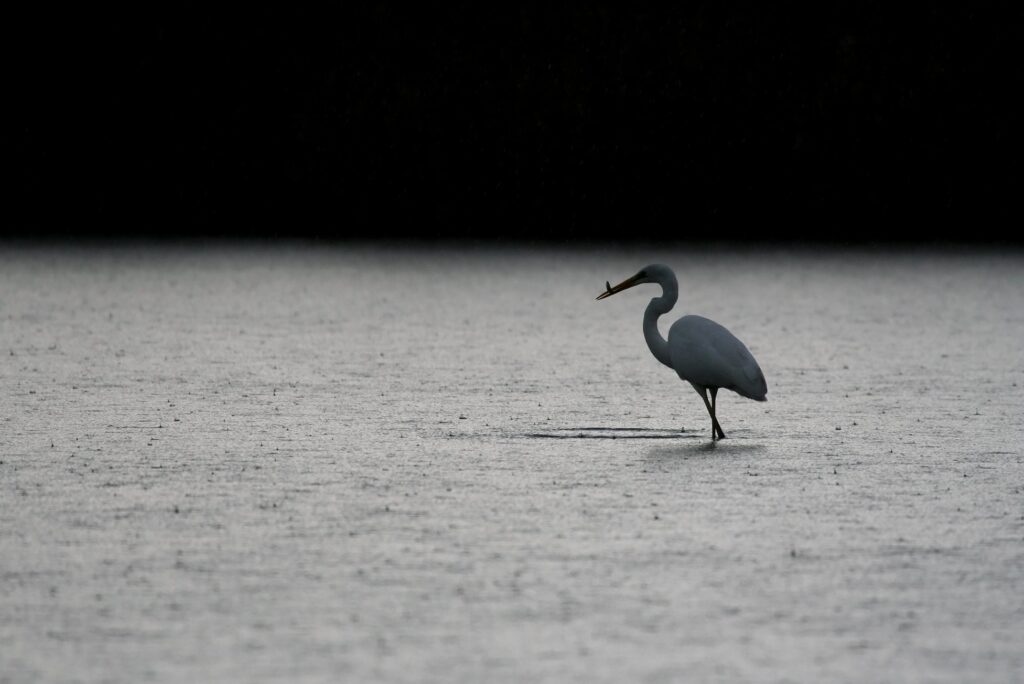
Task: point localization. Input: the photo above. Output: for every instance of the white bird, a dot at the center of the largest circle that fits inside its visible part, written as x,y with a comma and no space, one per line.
700,351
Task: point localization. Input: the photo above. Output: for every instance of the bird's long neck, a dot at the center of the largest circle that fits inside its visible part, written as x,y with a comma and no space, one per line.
658,306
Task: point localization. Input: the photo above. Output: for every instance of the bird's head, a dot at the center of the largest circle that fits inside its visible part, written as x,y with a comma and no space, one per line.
654,273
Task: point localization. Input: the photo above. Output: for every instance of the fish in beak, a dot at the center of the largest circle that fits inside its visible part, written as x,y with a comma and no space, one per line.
624,285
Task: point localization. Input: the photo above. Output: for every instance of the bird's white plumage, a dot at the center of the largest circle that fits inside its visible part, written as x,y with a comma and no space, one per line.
705,353
700,351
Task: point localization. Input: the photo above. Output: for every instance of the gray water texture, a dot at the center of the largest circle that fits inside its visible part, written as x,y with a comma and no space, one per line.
310,464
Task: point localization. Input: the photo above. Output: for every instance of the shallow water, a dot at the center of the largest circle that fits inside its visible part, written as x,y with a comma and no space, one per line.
245,464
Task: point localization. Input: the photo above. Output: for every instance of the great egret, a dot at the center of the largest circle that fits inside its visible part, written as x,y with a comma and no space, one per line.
700,351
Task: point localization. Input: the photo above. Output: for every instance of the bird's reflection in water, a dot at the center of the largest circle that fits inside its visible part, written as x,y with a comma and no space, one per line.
717,449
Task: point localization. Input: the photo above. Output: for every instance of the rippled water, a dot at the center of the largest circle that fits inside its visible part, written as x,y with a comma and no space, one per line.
245,464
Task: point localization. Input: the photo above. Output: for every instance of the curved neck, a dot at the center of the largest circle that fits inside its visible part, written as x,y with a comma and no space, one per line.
658,306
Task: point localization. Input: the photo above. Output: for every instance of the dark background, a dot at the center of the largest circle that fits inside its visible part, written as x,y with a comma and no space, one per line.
845,122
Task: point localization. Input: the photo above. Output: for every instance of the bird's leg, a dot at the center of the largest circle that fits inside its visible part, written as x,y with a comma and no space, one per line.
703,392
715,425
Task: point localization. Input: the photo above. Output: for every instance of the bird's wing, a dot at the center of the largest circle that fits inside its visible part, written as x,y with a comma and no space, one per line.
705,353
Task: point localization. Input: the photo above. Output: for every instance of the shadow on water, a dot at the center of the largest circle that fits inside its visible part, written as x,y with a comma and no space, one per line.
703,449
611,433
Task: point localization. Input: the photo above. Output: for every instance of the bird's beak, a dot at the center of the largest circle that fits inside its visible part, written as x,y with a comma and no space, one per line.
624,285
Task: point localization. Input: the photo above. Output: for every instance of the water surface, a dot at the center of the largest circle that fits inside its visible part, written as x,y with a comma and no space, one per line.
246,464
